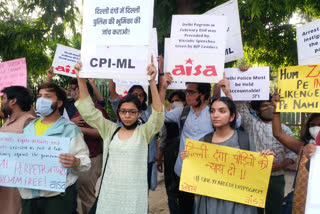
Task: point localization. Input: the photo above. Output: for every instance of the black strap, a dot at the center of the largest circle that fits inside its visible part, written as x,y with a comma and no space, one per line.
243,139
183,117
105,164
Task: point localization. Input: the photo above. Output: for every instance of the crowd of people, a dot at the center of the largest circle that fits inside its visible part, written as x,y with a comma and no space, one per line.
125,153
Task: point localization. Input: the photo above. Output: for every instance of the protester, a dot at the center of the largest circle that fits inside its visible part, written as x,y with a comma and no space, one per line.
261,130
138,91
304,147
16,104
124,185
223,118
50,99
194,122
86,183
168,152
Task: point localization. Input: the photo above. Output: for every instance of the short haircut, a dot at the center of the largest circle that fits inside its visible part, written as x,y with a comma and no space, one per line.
21,94
255,105
180,94
231,106
144,104
75,82
60,93
203,88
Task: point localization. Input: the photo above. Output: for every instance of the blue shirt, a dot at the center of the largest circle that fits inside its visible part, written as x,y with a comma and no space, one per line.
195,127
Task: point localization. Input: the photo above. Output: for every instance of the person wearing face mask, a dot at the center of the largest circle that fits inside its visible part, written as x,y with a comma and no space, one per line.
16,104
305,147
124,187
50,99
261,130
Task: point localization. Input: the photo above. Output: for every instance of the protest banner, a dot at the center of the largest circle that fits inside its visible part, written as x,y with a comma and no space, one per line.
234,47
13,73
250,85
116,22
112,43
308,42
226,173
65,58
175,84
312,203
32,162
299,88
197,48
154,52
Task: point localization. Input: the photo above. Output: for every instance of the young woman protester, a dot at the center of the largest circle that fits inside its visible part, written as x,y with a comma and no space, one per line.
124,185
305,147
223,117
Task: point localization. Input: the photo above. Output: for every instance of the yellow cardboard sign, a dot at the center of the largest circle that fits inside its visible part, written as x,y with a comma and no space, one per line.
299,88
226,173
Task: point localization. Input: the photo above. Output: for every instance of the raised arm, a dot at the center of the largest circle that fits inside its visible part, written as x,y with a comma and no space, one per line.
96,90
81,82
288,141
112,90
224,84
50,74
156,102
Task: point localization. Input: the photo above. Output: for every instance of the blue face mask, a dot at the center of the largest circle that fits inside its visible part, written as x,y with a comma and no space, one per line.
43,106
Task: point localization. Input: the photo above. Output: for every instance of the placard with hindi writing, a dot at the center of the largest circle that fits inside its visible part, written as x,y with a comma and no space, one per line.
226,173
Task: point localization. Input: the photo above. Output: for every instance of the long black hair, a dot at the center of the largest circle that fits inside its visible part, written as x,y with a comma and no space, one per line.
144,103
231,106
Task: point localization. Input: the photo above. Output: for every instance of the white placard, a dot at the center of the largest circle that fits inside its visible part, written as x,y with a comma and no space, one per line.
197,48
117,22
308,42
252,84
313,203
121,62
175,84
154,51
234,47
65,58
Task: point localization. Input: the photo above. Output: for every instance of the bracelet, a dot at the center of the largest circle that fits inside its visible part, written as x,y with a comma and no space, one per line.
276,112
161,74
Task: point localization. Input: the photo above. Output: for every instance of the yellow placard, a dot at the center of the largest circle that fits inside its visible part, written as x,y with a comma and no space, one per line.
299,88
226,173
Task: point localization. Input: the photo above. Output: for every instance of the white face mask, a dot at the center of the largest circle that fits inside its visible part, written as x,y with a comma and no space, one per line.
314,131
176,104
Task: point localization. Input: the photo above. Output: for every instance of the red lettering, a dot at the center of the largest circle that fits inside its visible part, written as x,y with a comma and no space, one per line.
60,68
309,74
210,71
179,70
198,70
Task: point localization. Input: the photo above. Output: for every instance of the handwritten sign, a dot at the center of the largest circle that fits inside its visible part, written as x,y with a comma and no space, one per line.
32,162
250,85
197,48
234,47
226,173
312,203
64,60
299,88
13,72
308,42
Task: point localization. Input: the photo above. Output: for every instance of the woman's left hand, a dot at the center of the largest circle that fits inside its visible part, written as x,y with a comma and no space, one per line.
268,152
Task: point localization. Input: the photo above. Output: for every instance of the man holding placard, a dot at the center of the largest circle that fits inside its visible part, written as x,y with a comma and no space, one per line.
16,102
50,99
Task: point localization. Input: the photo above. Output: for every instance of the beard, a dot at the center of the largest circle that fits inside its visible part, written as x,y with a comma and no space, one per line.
7,111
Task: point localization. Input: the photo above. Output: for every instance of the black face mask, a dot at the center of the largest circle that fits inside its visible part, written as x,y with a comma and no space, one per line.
132,126
199,101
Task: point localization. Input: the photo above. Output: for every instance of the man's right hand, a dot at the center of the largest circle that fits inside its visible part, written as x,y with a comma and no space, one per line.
50,74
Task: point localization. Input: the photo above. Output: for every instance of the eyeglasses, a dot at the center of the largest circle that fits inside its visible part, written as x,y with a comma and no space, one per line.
191,92
130,111
139,95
